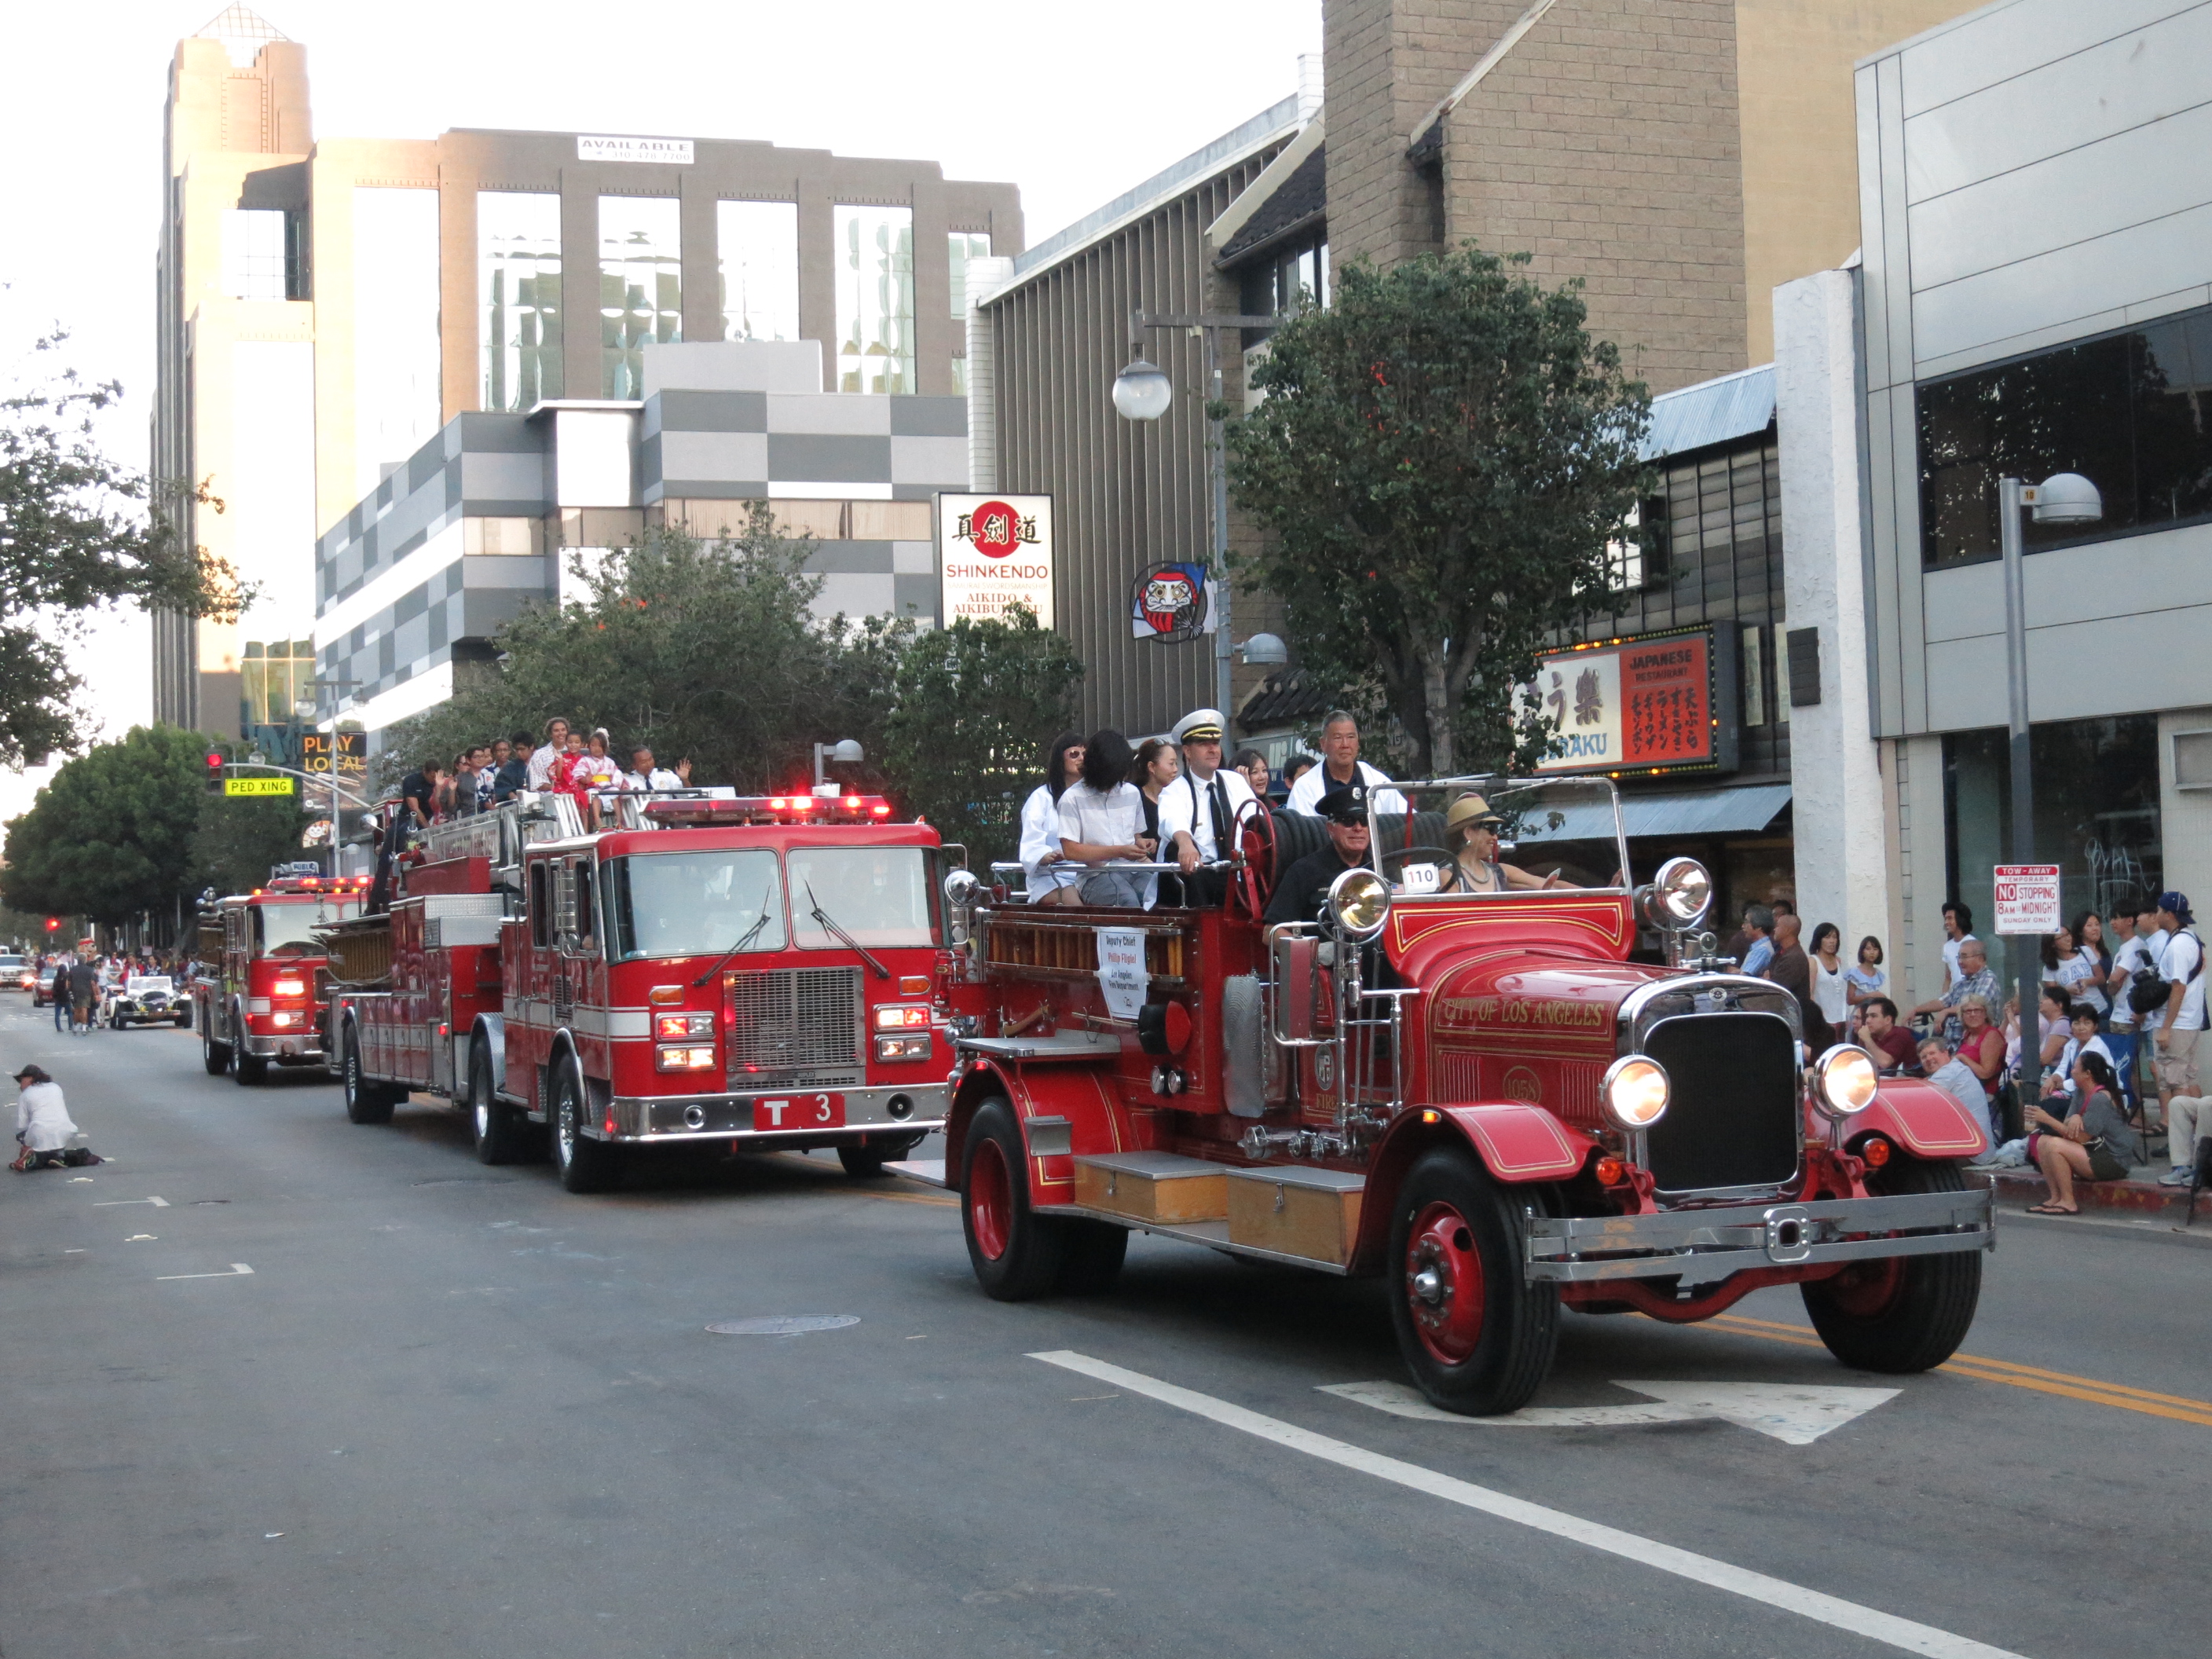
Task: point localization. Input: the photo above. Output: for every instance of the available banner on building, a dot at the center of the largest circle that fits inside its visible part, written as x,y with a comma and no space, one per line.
1660,702
994,552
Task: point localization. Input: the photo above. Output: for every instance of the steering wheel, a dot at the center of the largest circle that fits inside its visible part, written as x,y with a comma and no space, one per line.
1250,887
1444,859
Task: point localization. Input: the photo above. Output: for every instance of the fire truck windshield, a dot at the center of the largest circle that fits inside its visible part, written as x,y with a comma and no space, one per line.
283,929
694,904
882,896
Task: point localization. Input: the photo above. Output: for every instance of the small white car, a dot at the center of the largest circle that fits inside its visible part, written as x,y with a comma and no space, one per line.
145,1000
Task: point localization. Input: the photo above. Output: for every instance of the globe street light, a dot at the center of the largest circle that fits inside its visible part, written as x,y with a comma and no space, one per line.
2062,498
1142,391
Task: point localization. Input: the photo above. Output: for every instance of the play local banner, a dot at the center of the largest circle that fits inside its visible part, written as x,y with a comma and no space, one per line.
994,552
1658,702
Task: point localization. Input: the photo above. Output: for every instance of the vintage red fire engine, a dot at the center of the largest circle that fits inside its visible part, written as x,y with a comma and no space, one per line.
1475,1095
765,972
255,996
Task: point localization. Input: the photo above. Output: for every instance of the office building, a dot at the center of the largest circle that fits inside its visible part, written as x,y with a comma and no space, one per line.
329,307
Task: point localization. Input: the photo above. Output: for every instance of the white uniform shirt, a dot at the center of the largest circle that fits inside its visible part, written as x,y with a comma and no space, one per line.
1183,806
42,1118
2133,956
1112,819
2178,959
1040,836
1951,959
660,778
1315,782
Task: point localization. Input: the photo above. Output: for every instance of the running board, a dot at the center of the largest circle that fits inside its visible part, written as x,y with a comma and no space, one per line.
930,1171
1214,1235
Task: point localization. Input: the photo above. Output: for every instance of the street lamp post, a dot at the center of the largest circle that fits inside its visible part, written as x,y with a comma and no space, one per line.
1142,391
2062,498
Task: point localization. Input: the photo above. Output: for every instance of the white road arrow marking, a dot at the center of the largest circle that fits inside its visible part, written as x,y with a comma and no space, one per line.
111,1203
1793,1413
238,1270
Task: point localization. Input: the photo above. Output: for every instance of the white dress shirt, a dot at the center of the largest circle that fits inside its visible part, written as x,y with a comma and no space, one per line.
660,778
1040,836
42,1117
1315,782
1184,807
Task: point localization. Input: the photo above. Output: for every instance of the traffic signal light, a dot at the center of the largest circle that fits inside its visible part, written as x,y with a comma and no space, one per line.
215,761
53,924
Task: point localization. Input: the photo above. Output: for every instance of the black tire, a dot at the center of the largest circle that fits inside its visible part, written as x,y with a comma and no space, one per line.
1453,1232
365,1102
583,1165
865,1160
1016,1253
247,1070
497,1129
215,1056
1900,1313
1093,1258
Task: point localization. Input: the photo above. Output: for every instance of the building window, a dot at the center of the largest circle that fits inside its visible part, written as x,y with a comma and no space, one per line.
964,246
2131,412
756,245
1753,657
257,253
1637,558
641,287
519,289
1283,282
276,684
875,299
399,390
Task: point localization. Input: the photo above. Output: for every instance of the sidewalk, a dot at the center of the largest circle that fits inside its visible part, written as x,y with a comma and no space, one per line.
2139,1194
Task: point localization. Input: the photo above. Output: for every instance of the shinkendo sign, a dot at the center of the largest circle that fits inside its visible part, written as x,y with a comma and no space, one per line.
994,552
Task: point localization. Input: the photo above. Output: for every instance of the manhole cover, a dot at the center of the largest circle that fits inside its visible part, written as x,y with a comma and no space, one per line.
784,1325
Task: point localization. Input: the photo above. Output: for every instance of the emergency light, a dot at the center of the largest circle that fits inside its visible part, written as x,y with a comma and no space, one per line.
771,808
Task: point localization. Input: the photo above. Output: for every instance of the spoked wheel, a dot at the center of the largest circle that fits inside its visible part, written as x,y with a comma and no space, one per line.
1900,1313
1017,1253
1251,887
365,1102
215,1056
1476,1335
496,1128
583,1165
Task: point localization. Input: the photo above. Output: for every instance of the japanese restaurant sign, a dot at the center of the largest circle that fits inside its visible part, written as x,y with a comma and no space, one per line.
1660,702
994,552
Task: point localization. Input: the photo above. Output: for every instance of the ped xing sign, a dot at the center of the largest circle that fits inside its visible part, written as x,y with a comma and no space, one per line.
258,787
994,552
2027,898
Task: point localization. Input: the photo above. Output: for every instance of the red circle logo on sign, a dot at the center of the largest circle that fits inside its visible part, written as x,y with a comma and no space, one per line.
995,530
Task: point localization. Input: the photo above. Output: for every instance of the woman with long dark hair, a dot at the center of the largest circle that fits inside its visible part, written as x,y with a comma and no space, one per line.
1041,859
2095,1143
1831,994
1101,824
2083,969
1156,766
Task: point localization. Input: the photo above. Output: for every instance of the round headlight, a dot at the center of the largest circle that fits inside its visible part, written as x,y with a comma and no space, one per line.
960,888
1844,1080
1634,1091
1684,889
1359,904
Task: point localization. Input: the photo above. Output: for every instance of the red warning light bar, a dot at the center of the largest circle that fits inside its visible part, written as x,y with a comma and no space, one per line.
771,808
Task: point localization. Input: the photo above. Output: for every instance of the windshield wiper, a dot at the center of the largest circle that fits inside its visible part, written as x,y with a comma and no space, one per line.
750,934
823,916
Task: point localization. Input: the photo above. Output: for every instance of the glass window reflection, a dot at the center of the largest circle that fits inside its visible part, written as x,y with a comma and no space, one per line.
254,254
519,290
964,246
641,286
875,299
756,247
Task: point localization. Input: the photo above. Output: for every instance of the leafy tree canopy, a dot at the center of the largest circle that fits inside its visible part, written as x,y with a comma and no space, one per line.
1442,457
76,533
112,835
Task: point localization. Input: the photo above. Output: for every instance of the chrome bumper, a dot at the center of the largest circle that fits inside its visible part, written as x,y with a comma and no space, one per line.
306,1046
670,1119
1702,1246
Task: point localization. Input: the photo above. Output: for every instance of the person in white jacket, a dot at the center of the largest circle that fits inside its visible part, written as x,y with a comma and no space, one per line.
1045,867
42,1120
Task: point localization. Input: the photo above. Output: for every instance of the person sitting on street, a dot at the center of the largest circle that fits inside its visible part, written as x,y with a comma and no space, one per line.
1953,1076
1974,979
1304,887
1895,1053
2081,1020
2096,1143
1982,1050
1100,824
43,1127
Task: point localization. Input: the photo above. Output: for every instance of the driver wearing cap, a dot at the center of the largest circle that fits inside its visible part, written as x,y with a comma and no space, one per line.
1471,827
1304,886
1200,810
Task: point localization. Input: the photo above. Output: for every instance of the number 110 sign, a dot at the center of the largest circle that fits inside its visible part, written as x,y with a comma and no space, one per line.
2027,898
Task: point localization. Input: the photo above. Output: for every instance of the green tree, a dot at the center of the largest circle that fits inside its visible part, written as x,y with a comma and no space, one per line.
970,710
1442,457
78,532
112,835
237,841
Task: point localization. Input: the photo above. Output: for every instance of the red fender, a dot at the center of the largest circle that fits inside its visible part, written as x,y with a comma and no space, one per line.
1097,1120
1516,1142
1924,1119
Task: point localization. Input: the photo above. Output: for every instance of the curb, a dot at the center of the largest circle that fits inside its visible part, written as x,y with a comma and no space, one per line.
2023,1188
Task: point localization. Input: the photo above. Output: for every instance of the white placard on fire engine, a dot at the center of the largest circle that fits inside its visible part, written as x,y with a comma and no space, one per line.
1121,973
994,552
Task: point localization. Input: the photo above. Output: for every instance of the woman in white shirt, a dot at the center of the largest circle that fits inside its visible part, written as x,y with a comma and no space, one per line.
1831,992
1101,824
1043,866
42,1122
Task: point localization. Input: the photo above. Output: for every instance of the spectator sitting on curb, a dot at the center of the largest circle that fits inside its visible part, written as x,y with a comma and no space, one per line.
2096,1143
2082,1022
1953,1076
43,1125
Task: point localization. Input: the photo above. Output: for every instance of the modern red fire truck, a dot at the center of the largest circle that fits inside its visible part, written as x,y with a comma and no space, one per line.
1473,1095
255,996
766,973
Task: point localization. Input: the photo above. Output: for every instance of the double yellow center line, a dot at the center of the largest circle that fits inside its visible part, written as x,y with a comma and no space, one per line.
2097,1392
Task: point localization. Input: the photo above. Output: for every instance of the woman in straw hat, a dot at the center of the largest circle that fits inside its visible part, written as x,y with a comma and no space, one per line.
1472,827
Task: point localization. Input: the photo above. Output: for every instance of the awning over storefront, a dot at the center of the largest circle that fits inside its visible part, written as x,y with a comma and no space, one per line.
1746,810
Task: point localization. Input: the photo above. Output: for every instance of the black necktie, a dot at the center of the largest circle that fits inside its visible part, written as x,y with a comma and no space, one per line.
1217,795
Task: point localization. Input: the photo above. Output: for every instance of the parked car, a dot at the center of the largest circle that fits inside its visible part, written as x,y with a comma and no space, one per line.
146,999
16,974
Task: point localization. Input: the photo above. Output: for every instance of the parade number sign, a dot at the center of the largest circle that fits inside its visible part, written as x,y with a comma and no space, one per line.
1168,603
2027,898
994,552
1660,702
345,753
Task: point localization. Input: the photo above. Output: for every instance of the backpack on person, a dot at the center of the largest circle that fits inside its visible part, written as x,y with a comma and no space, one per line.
2149,990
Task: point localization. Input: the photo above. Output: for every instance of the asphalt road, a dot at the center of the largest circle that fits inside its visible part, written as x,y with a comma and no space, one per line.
454,1410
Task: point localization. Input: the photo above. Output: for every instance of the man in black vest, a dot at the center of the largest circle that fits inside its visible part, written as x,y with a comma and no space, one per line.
1200,811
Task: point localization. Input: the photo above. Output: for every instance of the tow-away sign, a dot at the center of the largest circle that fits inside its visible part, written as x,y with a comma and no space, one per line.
2027,898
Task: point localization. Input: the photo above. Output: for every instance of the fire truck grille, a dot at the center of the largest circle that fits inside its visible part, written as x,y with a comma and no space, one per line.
1733,1116
795,1028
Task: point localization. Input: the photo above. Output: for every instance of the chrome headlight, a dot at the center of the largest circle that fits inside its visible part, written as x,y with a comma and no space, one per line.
1358,904
1682,892
1844,1081
1634,1092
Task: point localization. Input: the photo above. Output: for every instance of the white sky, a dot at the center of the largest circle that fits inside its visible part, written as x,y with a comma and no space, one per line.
1073,102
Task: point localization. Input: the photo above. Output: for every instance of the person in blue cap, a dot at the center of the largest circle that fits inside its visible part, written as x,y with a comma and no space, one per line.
2174,1028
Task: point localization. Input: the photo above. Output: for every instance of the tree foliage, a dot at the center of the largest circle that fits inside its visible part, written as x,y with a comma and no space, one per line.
112,835
1442,457
237,841
77,532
